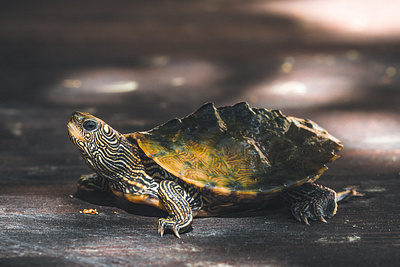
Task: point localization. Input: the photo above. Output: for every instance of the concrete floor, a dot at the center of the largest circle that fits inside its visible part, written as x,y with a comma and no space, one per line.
138,64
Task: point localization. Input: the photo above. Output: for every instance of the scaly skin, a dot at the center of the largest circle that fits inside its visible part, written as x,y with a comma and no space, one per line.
119,168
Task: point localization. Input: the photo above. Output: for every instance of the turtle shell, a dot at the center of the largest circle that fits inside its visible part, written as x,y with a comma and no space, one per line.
241,149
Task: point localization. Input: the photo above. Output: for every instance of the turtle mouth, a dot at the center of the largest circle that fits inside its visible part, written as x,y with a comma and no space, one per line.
74,132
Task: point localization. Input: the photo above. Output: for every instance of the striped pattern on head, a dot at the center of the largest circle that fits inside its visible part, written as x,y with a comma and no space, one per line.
105,150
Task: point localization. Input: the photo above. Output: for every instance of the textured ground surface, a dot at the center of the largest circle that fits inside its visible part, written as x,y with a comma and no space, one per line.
139,64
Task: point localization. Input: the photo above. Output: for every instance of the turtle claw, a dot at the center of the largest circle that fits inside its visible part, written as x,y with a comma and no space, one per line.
322,219
301,211
161,231
310,210
168,223
305,220
176,233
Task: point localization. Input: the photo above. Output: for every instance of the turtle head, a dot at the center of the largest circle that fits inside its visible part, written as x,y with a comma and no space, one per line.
100,145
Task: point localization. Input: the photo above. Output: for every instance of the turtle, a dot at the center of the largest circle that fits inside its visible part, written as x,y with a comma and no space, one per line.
213,161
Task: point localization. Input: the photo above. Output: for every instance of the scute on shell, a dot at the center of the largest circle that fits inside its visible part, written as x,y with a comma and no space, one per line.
239,148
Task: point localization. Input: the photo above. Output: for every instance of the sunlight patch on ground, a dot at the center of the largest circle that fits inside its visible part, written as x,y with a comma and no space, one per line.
377,131
358,19
308,81
163,79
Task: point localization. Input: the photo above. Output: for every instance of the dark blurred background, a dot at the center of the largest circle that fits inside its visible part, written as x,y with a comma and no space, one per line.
137,64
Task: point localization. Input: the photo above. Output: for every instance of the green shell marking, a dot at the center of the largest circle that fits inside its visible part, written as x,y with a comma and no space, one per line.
240,148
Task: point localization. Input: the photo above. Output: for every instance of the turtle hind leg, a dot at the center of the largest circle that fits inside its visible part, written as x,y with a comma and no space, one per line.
174,200
311,201
93,182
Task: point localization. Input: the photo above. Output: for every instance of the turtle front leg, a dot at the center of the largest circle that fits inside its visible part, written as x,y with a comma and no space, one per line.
311,201
180,214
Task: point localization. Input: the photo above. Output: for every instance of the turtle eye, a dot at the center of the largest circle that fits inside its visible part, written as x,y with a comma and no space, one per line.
90,125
